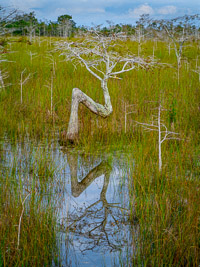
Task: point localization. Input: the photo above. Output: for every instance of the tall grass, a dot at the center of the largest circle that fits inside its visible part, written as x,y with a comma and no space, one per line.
166,204
136,87
28,212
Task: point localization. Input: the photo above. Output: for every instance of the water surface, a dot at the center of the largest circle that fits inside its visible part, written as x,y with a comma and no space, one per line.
90,195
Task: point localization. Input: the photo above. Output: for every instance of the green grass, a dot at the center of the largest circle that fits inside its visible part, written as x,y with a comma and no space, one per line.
165,204
29,176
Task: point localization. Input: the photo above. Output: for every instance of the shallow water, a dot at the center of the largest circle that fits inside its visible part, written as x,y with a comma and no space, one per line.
90,195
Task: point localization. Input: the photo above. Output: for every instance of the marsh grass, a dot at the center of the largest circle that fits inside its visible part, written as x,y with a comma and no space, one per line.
165,205
28,212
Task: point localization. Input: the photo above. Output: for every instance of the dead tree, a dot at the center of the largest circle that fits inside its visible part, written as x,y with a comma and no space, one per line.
179,31
22,82
6,17
2,77
163,133
96,53
3,74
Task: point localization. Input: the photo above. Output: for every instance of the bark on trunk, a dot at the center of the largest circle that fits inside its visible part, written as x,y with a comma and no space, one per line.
2,86
79,97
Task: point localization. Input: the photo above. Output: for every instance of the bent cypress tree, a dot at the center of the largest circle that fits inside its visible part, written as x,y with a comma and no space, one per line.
96,53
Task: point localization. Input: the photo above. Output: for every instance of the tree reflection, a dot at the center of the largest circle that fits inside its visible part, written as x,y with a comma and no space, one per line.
101,224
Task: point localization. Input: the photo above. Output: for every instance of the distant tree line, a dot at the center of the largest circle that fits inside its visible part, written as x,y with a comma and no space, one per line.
14,22
28,24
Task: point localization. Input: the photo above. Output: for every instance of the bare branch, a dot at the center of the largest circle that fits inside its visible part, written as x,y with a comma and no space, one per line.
96,53
20,219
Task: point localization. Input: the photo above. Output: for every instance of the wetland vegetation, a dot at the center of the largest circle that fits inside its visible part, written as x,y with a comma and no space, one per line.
104,197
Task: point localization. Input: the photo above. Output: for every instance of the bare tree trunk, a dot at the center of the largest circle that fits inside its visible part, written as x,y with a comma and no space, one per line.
159,140
79,97
102,65
2,86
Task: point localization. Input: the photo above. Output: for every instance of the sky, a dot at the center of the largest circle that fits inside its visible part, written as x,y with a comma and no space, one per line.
89,12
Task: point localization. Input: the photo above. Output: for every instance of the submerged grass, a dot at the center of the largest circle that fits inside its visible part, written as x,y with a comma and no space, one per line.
28,212
165,204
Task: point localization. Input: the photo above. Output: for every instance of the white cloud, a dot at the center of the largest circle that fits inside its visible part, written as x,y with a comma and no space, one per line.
26,5
143,9
60,11
77,10
118,11
167,10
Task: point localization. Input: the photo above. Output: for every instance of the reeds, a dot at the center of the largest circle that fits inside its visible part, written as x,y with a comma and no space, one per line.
28,212
165,204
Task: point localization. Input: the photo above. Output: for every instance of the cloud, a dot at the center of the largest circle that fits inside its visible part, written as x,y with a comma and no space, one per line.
118,11
167,10
61,11
26,5
143,9
147,9
77,10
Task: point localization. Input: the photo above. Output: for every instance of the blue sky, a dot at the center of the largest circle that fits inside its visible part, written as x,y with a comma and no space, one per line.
85,12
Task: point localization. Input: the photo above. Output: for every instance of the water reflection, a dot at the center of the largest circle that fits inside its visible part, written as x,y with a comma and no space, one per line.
89,194
104,168
96,225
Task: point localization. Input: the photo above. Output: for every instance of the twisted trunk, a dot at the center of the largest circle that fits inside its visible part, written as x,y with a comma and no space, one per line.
79,97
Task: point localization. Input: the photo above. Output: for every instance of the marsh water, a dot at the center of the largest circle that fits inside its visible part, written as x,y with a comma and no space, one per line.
88,192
